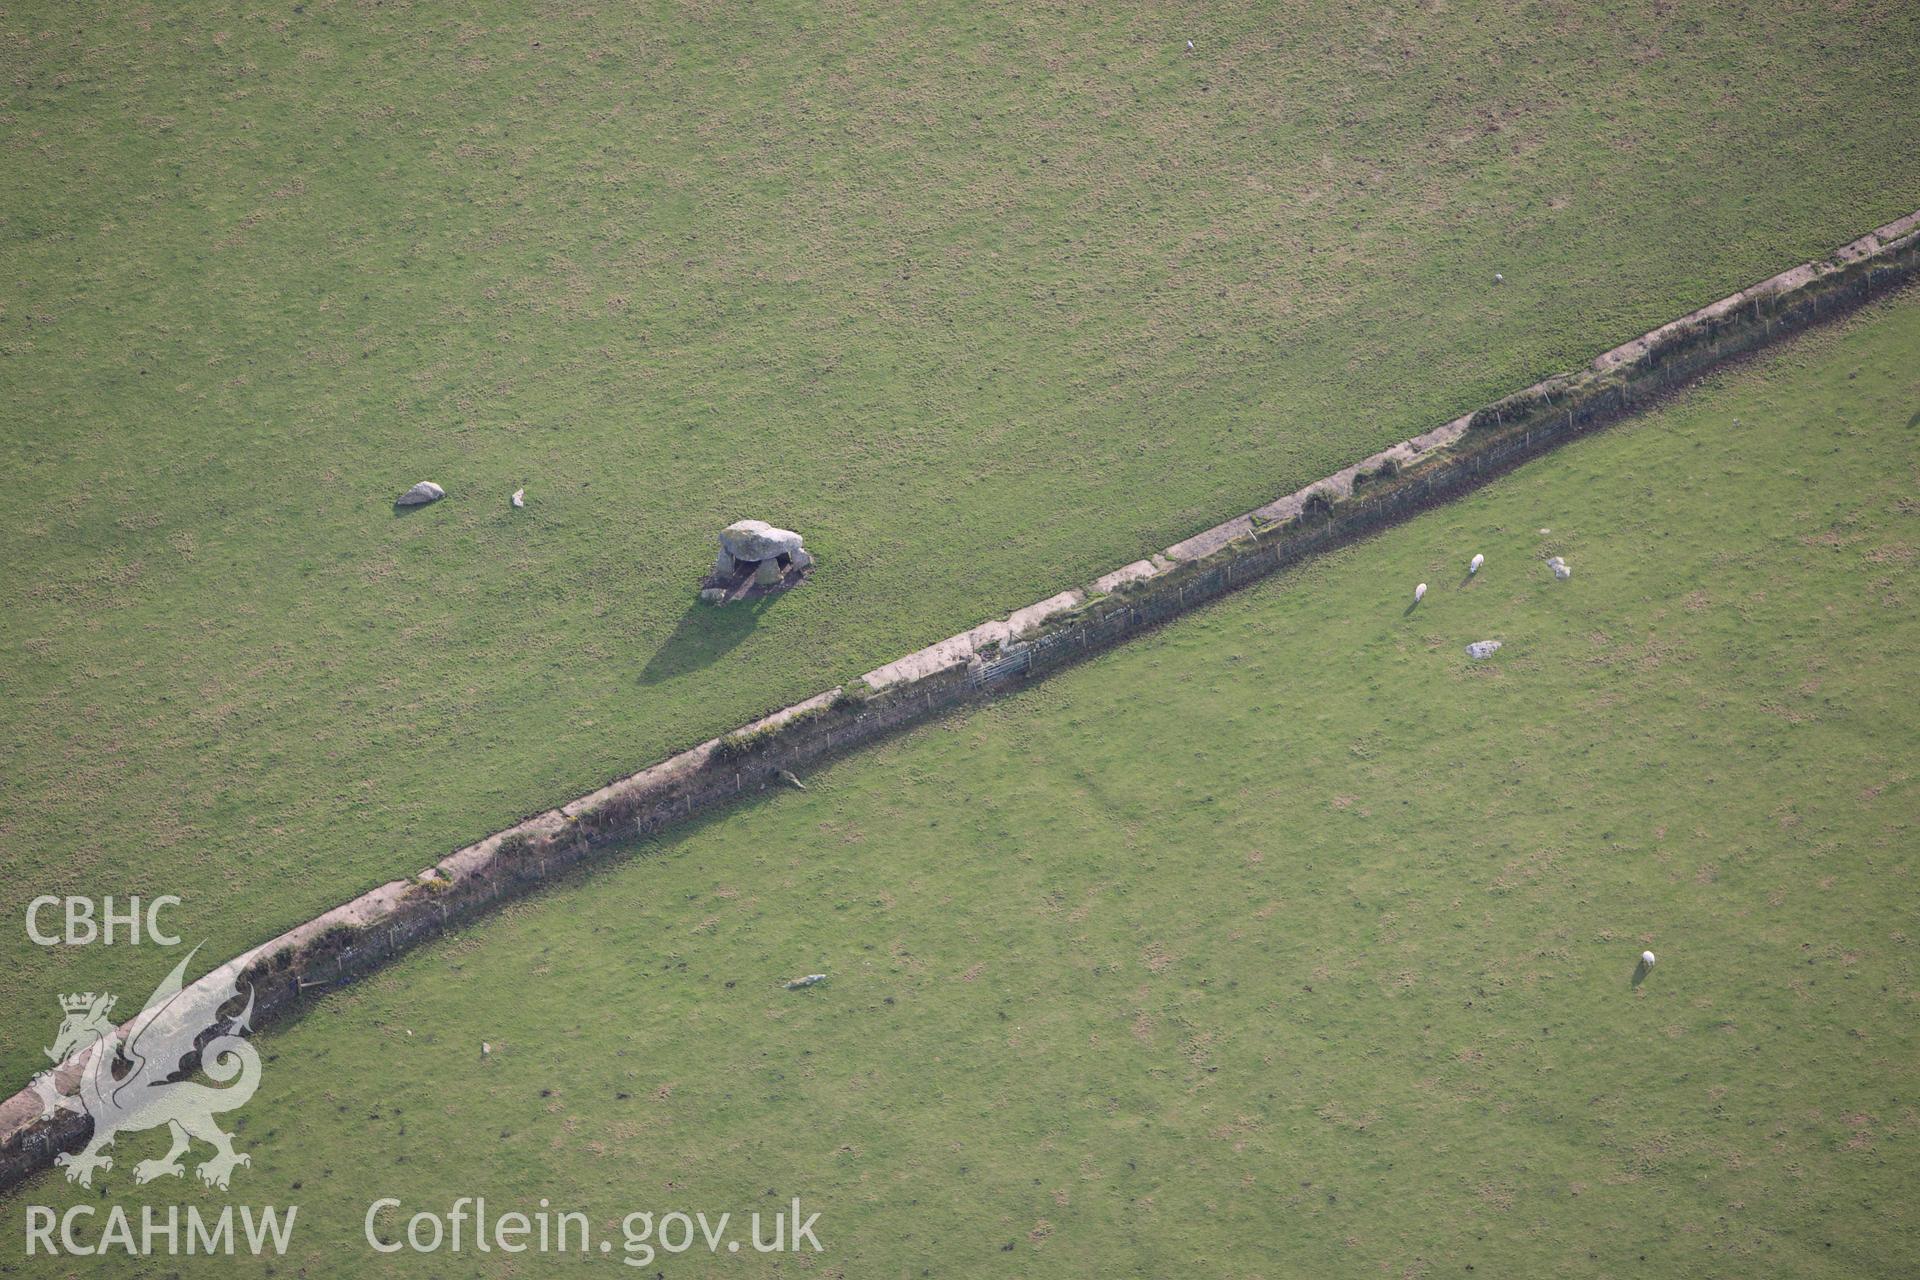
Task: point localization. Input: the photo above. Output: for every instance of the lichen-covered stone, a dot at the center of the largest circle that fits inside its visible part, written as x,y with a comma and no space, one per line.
757,540
420,495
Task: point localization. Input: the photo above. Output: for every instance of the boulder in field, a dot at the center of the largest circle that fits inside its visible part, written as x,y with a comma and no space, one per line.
420,495
757,540
1481,650
756,558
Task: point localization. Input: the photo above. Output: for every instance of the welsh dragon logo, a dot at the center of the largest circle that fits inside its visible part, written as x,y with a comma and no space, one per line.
132,1076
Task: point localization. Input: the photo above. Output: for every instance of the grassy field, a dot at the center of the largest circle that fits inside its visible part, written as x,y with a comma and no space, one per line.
983,300
1284,942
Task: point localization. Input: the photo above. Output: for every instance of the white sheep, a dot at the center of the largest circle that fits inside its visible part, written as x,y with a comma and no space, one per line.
1646,959
1473,566
1420,593
519,497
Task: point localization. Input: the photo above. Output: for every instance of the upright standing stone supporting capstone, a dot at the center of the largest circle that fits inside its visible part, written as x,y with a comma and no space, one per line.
755,558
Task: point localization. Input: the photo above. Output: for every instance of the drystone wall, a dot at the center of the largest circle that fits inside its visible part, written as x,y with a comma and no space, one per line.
358,937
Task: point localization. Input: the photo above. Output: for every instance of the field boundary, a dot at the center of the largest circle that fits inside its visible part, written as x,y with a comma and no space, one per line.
357,937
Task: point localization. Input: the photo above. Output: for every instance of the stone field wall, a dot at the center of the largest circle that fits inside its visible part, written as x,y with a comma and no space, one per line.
353,939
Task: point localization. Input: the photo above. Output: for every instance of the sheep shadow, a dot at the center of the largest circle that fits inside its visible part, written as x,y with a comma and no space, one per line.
1410,608
1640,972
704,635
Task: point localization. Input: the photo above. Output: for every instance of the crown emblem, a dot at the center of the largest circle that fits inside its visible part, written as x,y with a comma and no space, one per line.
82,1002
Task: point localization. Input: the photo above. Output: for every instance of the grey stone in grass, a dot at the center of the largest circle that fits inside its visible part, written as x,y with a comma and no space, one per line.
420,495
1481,650
811,980
757,540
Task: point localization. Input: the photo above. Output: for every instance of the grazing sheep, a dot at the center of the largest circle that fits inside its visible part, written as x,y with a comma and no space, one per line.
1420,593
1473,566
1646,959
811,980
519,497
1560,569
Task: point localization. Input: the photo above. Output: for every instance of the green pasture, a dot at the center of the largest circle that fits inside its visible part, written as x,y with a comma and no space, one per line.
985,300
1284,942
